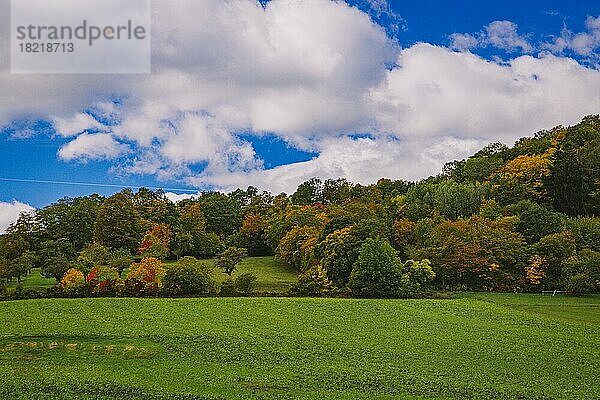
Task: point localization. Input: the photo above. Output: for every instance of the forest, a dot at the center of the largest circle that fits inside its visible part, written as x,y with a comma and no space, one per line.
524,218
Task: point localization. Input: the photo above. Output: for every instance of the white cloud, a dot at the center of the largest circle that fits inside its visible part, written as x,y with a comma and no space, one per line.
583,43
314,73
9,213
79,123
87,147
499,34
176,198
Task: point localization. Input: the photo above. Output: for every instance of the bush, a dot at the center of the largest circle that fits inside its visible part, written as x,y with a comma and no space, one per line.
105,281
146,277
313,282
228,288
378,271
416,276
245,283
73,283
189,277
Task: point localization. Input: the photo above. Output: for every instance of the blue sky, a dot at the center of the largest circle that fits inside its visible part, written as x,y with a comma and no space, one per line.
275,144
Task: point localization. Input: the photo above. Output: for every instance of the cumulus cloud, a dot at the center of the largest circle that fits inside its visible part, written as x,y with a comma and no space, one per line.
582,43
88,147
9,213
499,34
315,73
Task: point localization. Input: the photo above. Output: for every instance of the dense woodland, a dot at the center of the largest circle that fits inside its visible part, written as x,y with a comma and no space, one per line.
520,218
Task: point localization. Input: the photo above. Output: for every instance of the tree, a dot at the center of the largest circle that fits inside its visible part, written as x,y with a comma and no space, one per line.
555,249
586,231
56,257
93,255
536,221
308,193
192,238
378,271
415,276
118,224
152,246
104,281
189,277
296,248
574,182
338,253
581,273
21,266
223,214
230,258
454,200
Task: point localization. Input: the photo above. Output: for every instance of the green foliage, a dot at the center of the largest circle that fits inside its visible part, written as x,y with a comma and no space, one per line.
555,249
228,288
536,221
377,272
230,258
118,224
338,253
104,281
297,247
575,178
586,232
189,277
223,214
454,200
582,272
92,256
312,282
245,283
417,275
152,246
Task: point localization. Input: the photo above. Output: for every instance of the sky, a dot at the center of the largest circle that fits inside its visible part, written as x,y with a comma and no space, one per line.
272,93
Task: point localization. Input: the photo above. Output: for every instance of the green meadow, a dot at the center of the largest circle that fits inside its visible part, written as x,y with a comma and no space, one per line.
477,346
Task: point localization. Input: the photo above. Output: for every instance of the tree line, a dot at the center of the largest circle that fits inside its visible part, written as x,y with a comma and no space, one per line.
520,218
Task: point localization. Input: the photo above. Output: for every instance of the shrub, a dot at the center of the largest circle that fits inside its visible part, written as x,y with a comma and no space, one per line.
105,281
189,277
228,288
245,283
73,283
416,276
313,282
145,277
378,271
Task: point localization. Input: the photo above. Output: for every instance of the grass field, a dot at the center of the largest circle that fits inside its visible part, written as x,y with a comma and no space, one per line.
273,274
480,346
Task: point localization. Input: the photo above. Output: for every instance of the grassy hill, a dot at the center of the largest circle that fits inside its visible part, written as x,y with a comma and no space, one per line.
482,346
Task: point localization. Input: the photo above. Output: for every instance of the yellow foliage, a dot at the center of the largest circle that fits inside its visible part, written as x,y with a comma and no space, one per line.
535,270
149,271
73,278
